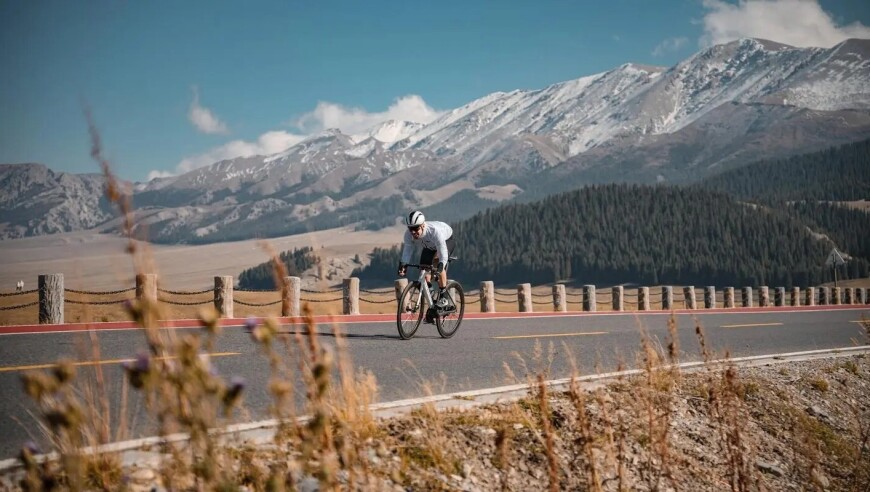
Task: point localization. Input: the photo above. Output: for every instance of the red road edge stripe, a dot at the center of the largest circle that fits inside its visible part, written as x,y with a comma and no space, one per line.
363,318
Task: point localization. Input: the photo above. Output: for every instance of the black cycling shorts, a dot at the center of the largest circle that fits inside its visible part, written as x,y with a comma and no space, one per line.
427,257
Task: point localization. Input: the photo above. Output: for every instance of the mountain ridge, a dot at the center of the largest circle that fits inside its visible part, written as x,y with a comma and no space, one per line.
722,107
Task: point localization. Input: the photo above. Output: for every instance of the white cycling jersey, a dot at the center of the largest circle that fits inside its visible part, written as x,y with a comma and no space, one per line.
435,236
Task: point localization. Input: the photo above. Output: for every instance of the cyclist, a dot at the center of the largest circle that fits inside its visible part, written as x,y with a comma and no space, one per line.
437,241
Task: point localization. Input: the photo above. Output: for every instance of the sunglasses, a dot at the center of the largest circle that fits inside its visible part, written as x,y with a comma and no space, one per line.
414,228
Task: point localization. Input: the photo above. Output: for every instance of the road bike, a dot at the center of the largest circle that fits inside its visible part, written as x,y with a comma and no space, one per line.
417,303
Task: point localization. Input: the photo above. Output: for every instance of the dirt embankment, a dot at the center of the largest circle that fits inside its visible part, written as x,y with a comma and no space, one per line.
786,426
791,426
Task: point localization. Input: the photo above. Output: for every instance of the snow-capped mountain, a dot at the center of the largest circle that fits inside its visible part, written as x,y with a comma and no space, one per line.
634,100
726,105
390,131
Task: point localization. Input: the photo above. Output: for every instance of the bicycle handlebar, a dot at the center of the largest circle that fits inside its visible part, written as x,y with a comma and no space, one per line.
428,267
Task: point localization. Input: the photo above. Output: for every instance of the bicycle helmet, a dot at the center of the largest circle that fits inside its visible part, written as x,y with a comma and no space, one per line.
415,219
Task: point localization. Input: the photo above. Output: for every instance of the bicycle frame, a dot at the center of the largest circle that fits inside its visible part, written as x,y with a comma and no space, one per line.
422,281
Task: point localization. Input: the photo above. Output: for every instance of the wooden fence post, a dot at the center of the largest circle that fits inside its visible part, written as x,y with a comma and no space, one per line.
836,295
747,297
351,295
400,285
590,300
763,296
643,298
810,297
524,298
689,295
823,296
779,296
795,296
51,299
146,286
487,297
223,295
729,297
291,296
560,302
617,298
667,298
710,297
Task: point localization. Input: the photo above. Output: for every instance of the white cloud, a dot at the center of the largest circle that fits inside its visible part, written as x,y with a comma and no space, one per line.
203,119
266,144
669,45
325,115
159,174
800,23
357,120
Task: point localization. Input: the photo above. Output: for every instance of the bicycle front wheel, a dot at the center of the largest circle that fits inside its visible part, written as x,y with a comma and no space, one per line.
450,317
410,312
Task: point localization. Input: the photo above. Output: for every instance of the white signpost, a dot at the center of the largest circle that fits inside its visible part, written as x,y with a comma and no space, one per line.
835,259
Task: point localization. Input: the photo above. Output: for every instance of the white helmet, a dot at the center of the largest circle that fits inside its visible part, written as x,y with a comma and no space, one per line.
415,219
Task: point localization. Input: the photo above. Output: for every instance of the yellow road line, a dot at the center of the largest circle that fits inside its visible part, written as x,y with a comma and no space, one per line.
755,324
101,362
553,335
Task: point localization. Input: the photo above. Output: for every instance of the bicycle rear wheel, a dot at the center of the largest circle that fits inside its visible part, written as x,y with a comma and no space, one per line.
449,319
410,312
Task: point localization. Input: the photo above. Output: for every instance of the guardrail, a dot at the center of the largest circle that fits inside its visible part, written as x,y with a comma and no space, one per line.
52,296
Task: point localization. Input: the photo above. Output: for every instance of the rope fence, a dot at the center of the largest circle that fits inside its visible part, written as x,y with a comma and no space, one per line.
183,303
524,297
264,304
19,306
19,293
96,303
378,292
320,291
322,300
185,292
388,301
98,293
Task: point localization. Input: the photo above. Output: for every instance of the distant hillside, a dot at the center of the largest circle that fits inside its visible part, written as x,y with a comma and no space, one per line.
848,228
808,187
262,276
613,234
835,174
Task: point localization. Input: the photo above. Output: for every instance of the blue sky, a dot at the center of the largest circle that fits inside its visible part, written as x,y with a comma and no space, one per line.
174,85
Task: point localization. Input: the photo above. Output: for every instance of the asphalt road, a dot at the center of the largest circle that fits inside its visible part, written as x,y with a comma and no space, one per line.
474,358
